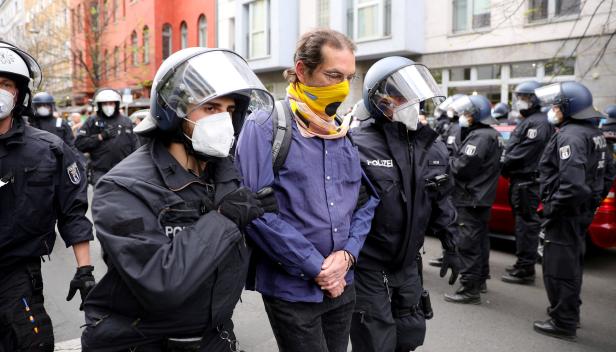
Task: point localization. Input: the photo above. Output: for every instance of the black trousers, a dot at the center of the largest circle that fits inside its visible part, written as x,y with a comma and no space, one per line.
474,244
312,327
563,260
24,323
524,199
387,313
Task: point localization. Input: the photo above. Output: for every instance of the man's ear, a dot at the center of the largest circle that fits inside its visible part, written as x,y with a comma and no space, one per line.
300,70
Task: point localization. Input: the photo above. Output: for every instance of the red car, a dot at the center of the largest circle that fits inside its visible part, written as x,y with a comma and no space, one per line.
602,231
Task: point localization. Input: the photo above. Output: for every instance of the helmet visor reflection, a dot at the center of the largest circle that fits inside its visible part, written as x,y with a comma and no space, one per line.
548,95
407,86
210,75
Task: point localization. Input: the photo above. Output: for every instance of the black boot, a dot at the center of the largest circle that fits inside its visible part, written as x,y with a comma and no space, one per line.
550,328
520,276
436,262
511,268
468,293
483,288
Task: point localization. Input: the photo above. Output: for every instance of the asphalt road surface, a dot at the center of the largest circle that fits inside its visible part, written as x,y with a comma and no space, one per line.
503,322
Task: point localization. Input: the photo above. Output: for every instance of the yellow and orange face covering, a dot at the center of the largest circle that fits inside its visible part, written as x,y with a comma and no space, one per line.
315,109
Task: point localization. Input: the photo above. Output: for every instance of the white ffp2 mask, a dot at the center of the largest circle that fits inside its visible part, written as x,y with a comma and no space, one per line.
7,103
108,110
409,116
213,135
43,111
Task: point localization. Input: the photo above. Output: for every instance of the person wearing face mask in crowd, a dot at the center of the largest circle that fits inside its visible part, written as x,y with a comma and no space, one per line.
306,253
170,217
107,136
447,123
520,166
609,127
44,106
576,173
476,169
408,164
41,186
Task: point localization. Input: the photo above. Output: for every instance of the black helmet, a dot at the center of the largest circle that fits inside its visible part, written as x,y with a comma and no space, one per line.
39,100
197,75
610,112
394,83
500,111
573,99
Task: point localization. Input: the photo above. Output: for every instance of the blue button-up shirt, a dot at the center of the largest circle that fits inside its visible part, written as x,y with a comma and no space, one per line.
316,190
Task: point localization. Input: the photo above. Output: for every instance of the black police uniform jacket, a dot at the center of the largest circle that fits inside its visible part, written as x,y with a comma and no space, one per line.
476,166
107,153
176,266
401,164
452,137
55,125
576,170
526,145
41,183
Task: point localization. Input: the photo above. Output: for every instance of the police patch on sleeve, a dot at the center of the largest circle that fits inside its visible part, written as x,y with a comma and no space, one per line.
565,152
470,150
531,133
73,173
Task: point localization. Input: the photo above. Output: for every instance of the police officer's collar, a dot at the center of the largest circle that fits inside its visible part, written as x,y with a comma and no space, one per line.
173,174
15,134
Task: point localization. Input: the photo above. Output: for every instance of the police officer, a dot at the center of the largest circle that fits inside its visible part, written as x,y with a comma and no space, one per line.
520,164
408,165
44,106
609,127
107,135
447,123
169,216
500,112
475,168
40,183
576,173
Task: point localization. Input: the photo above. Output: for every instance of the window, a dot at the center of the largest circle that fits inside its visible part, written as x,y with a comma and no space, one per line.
167,42
202,31
567,7
368,19
183,35
470,14
541,10
524,69
537,10
146,45
125,58
232,33
460,74
134,48
115,11
116,62
560,67
323,13
258,27
79,22
488,72
437,74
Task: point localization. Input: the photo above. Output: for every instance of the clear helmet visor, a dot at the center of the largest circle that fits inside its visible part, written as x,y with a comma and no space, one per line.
548,95
210,75
463,106
405,87
442,107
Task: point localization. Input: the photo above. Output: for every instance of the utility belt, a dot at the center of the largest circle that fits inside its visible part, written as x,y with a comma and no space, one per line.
529,178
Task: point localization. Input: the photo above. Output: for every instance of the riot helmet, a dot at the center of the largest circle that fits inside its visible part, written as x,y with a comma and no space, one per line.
21,68
107,101
573,99
445,109
43,104
395,86
524,99
610,114
500,111
477,106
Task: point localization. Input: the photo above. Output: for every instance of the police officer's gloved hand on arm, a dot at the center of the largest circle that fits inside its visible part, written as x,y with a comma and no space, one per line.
105,134
242,206
82,281
451,260
363,196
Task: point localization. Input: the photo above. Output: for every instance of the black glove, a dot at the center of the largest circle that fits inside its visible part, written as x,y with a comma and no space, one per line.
82,281
268,200
451,260
241,206
106,134
363,196
548,210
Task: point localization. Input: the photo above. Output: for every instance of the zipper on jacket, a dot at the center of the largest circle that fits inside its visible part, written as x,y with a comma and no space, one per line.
386,282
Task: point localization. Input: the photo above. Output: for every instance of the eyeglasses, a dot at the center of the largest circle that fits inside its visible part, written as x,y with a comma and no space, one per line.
338,77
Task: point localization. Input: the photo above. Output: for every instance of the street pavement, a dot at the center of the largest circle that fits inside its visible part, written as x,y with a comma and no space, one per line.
503,322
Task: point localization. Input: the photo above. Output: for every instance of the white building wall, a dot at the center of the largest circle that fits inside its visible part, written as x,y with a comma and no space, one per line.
12,20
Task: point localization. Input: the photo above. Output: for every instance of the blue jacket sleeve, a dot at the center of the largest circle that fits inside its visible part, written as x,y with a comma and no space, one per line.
362,220
280,241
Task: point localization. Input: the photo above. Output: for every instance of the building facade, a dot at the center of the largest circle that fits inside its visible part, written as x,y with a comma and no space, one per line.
12,20
471,46
121,43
